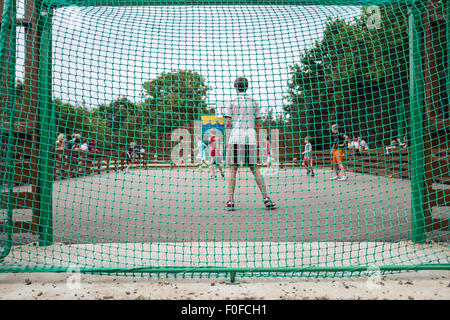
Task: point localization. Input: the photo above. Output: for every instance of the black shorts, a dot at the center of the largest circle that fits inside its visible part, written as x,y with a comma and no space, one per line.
243,154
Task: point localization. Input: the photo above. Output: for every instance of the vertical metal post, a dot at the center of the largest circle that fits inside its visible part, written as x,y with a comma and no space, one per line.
46,127
447,33
232,279
417,108
5,26
8,54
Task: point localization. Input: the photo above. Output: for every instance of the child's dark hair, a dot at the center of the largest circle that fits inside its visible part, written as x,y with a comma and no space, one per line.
241,84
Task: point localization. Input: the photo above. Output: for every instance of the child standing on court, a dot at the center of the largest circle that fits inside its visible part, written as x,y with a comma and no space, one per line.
131,155
216,157
201,147
243,117
307,157
338,153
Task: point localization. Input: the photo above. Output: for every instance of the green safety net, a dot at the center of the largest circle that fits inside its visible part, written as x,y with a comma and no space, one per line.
153,137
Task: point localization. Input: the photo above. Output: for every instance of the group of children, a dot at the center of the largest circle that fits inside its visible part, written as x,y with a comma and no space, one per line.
397,145
216,155
74,143
243,119
307,155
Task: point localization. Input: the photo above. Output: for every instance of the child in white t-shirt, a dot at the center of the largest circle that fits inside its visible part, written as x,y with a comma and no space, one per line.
308,157
201,147
244,117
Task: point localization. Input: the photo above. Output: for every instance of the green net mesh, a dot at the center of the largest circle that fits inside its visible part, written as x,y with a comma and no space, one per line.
214,137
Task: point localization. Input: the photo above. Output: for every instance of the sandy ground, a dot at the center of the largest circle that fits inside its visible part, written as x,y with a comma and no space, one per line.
71,284
428,285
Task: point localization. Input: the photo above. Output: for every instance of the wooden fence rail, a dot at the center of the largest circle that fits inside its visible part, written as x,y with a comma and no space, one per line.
73,163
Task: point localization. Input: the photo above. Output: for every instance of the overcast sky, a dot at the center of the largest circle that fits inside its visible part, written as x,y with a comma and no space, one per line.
102,53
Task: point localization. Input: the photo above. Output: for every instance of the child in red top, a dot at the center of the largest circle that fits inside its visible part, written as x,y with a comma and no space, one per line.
216,156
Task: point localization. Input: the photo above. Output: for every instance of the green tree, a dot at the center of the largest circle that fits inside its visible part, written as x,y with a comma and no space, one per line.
356,76
118,123
72,119
116,113
273,119
171,100
174,99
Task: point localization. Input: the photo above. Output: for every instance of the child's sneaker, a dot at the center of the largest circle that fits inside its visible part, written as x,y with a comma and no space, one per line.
335,178
343,178
268,203
229,206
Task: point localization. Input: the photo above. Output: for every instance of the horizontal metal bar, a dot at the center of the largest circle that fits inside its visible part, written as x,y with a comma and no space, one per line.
111,3
239,270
